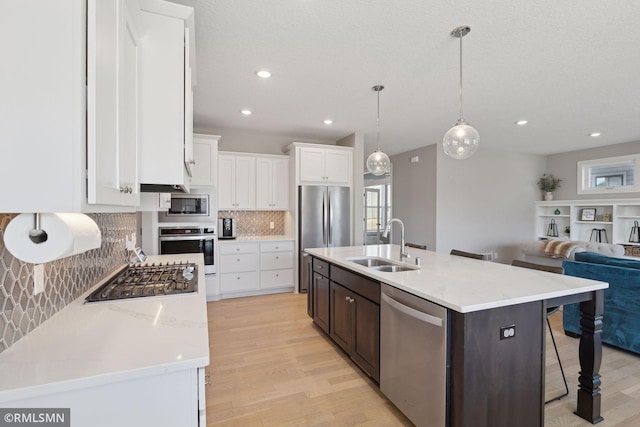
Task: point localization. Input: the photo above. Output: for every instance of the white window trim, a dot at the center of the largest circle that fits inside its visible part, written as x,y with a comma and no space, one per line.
584,178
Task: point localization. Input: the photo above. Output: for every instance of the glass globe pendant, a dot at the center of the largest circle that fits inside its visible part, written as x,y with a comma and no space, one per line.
378,162
462,140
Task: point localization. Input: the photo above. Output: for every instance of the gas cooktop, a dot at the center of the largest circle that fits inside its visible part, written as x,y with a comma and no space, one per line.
148,280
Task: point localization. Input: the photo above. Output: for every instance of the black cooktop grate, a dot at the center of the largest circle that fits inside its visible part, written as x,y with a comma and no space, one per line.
147,280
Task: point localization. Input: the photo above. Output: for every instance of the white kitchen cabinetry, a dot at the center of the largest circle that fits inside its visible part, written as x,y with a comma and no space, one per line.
110,404
272,183
238,267
73,106
166,64
252,268
615,217
237,182
276,265
205,156
112,103
326,166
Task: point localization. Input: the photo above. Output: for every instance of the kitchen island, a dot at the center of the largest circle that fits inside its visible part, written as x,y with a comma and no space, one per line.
490,380
128,362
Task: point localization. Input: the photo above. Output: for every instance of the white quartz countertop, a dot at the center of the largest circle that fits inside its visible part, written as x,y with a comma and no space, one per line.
255,239
91,344
459,283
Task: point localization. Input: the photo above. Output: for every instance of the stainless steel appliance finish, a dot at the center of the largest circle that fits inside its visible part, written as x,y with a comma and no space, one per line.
190,239
186,205
227,228
413,356
143,280
324,220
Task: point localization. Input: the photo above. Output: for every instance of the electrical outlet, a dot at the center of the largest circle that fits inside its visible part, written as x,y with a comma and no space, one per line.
507,332
131,244
271,225
38,278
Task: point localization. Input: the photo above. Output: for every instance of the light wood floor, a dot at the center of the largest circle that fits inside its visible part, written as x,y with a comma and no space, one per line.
271,367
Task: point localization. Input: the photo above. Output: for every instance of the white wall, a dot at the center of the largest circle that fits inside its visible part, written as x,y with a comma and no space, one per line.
356,140
413,195
565,167
486,203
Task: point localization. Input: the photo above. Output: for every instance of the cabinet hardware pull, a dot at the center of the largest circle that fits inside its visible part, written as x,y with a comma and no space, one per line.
207,383
346,298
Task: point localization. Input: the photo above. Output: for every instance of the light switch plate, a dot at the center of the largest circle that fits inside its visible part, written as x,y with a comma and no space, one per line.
38,278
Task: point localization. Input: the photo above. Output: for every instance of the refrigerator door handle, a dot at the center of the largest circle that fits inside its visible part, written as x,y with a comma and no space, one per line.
330,238
324,218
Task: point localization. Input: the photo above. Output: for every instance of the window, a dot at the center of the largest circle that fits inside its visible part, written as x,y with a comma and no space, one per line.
610,175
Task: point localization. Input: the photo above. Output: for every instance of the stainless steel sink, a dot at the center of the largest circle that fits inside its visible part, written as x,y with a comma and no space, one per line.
393,268
371,262
381,264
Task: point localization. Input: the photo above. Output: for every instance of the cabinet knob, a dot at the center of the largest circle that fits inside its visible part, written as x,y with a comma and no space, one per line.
207,383
346,299
238,260
277,275
277,257
122,189
237,277
277,247
207,375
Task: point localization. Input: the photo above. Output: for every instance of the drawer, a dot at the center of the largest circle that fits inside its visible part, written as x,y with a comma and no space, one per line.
276,260
238,248
321,267
235,282
276,246
276,278
238,263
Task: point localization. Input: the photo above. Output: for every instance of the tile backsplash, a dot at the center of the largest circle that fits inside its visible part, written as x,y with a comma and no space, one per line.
256,223
65,279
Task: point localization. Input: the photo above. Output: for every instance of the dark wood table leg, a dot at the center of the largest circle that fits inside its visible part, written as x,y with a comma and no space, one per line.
590,358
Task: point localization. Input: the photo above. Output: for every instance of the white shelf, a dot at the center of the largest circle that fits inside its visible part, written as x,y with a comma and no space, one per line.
623,213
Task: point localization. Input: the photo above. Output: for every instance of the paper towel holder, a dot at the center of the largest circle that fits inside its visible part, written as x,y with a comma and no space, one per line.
37,235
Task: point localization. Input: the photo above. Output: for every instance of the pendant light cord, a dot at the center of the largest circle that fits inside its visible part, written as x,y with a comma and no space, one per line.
378,136
461,119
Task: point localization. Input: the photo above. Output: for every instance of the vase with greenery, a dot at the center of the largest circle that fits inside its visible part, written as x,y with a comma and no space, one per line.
548,184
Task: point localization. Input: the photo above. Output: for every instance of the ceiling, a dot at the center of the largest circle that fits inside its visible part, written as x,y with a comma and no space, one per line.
569,67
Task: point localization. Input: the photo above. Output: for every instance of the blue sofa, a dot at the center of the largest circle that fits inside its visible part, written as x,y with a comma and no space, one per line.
621,319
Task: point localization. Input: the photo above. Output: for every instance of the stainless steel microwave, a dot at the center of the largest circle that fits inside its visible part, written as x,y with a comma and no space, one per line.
189,205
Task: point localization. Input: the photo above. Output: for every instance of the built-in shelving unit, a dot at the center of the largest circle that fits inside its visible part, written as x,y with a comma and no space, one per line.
612,222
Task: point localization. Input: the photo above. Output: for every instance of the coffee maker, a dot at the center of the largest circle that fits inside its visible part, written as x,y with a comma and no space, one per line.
226,228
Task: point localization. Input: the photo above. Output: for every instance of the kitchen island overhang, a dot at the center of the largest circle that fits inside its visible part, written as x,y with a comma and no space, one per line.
467,286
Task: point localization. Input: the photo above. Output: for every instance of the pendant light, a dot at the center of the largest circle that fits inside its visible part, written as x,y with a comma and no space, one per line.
462,140
378,162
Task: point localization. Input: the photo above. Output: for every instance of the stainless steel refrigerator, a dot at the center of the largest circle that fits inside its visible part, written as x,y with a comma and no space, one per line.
324,221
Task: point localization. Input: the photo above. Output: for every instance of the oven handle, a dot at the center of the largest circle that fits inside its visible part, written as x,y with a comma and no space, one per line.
186,237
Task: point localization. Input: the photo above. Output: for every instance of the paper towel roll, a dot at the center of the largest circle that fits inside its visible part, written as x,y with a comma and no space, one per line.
68,234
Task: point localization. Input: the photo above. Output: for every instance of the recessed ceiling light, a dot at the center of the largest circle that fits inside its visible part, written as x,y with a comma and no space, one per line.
263,74
246,112
594,134
328,122
521,122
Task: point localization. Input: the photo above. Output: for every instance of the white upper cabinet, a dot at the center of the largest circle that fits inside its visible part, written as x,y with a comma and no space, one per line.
236,182
166,94
323,165
205,161
112,107
70,106
272,183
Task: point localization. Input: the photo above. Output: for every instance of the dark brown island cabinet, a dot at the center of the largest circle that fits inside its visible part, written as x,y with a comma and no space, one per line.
490,381
346,306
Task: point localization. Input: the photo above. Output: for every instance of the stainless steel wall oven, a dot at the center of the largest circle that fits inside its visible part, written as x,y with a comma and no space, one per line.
190,239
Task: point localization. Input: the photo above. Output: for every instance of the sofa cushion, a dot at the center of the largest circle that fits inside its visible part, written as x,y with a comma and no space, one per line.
595,258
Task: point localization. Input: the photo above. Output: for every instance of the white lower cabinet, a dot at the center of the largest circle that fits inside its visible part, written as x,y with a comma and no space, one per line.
165,400
238,267
255,268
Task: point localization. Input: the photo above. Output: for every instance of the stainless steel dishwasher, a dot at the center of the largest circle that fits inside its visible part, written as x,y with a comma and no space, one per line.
413,356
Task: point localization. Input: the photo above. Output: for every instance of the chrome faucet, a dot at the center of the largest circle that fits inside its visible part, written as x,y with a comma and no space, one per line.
404,252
